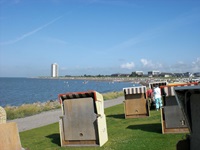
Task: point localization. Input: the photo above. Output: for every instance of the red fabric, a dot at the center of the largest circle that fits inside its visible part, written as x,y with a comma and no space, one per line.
149,92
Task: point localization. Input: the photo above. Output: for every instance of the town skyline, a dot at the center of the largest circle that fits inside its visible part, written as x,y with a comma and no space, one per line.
152,73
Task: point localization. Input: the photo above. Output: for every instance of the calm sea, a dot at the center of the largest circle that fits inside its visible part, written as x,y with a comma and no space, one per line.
18,91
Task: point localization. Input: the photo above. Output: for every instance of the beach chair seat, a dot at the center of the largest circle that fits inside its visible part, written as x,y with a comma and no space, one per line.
136,104
83,122
172,118
188,99
9,134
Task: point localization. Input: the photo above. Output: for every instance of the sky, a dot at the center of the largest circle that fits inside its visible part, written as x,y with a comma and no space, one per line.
98,37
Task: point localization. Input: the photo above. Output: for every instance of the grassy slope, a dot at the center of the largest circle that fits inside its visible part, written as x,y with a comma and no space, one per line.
123,134
25,110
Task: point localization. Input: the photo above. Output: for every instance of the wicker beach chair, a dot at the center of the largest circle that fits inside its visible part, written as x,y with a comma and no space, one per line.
136,104
2,115
188,100
9,134
172,118
83,122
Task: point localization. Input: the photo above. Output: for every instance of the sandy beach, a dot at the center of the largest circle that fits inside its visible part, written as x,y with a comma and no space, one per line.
52,116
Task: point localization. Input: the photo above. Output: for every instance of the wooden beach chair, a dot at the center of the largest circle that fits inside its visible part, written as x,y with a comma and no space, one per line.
83,122
136,104
9,135
172,118
188,98
2,115
159,83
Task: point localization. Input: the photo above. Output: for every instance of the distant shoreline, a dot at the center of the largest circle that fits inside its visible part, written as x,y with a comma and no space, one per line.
124,79
137,80
90,78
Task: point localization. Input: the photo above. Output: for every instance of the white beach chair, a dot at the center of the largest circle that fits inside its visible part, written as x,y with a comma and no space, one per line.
83,122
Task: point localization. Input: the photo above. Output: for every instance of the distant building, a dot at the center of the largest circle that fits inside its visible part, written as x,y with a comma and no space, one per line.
120,75
196,74
137,74
125,75
166,74
153,73
116,75
54,70
178,74
187,74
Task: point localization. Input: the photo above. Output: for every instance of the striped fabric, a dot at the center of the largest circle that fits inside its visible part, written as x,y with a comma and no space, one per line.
169,90
153,84
134,90
76,95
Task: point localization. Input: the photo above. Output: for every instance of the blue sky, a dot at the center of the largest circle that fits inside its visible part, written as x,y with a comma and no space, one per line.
98,36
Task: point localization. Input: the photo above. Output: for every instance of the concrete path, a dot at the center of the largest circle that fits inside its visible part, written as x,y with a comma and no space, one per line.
52,116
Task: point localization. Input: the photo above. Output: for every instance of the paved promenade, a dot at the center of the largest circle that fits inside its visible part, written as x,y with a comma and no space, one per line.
52,116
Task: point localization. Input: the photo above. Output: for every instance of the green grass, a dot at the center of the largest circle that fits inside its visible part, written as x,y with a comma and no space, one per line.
112,95
123,134
25,110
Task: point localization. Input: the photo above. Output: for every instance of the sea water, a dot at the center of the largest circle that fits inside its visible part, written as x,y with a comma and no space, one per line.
18,91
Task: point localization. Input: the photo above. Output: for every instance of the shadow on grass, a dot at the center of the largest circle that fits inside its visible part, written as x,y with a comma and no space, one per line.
156,127
118,116
55,138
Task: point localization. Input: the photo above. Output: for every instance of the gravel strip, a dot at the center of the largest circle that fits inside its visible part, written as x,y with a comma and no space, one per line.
52,116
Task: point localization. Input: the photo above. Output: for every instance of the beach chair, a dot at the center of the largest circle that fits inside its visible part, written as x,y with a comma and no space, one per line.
159,83
188,98
172,118
136,104
9,135
83,122
2,115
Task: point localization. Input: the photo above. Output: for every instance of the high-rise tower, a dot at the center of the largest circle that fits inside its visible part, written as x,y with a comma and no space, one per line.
54,70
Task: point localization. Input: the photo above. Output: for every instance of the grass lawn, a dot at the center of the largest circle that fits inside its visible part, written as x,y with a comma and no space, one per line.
123,134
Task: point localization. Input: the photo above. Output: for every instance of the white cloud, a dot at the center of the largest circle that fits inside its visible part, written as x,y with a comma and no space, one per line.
148,64
196,65
128,65
181,66
196,62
